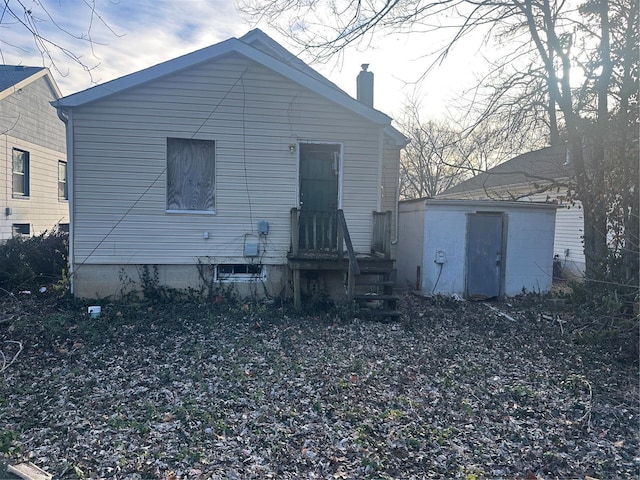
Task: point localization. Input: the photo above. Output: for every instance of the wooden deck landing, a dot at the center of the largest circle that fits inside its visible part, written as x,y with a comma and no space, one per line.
317,244
372,286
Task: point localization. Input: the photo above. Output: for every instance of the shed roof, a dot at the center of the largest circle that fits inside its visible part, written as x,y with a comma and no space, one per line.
544,165
256,46
484,205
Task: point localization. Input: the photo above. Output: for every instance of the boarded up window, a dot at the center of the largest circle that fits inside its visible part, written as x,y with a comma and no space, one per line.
190,175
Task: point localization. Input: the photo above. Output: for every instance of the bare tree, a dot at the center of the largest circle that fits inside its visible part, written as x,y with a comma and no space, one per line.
45,27
442,153
430,163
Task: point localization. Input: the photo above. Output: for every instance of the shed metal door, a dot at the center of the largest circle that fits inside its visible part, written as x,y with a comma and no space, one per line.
484,255
319,169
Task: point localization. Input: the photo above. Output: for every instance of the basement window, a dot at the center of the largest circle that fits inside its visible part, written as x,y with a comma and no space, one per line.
239,272
21,230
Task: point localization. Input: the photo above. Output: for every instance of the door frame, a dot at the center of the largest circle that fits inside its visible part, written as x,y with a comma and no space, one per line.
503,249
340,167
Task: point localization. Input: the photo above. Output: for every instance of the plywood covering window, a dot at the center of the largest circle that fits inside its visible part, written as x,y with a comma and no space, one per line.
190,175
20,173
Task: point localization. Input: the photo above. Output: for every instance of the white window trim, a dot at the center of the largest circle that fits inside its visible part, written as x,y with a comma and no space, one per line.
26,173
191,212
66,181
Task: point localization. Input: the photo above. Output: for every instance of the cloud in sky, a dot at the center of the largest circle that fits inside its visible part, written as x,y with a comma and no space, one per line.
122,37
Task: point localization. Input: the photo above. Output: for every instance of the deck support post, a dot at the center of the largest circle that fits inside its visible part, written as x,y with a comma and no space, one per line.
351,285
297,298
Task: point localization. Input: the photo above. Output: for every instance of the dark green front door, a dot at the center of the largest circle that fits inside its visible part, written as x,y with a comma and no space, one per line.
319,172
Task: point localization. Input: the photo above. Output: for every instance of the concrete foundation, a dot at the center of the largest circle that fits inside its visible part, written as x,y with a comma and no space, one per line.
115,281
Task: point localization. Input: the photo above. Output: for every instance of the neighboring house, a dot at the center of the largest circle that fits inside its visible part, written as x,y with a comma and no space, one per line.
235,163
538,176
479,249
33,168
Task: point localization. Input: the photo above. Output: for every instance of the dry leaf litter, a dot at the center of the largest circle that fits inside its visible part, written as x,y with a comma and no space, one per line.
451,390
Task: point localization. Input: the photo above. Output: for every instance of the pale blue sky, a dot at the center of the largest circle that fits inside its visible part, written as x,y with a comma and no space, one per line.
142,33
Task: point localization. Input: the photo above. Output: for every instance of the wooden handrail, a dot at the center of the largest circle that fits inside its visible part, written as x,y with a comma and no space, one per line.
316,232
353,261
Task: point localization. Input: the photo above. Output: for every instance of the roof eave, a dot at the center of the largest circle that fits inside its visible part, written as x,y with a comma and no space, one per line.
143,76
397,136
30,79
210,53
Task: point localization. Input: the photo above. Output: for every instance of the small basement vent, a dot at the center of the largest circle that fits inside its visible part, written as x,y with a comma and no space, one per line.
239,272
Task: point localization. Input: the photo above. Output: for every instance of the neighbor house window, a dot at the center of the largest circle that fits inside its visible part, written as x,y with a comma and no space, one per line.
63,227
63,193
21,230
239,272
190,175
20,173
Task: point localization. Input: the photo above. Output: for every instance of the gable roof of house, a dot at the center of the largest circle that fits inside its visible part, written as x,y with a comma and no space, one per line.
540,166
256,46
15,77
263,42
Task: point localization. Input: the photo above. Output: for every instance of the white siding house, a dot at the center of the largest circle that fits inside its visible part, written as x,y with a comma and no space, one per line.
32,154
195,164
540,176
475,248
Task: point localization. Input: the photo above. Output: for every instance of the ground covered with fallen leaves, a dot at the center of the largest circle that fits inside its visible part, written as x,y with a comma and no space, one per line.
450,390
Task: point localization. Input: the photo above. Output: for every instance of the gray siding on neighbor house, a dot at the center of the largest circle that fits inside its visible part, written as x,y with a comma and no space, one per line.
28,122
27,114
254,115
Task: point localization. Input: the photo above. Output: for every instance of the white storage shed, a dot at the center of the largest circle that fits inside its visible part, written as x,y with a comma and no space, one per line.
478,249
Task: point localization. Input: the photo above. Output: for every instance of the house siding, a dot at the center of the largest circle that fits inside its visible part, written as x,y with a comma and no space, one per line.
30,123
27,114
254,115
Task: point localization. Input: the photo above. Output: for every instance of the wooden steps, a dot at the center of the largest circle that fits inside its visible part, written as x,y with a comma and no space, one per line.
374,289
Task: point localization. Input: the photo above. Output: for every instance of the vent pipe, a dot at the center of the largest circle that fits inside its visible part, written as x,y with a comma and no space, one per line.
365,86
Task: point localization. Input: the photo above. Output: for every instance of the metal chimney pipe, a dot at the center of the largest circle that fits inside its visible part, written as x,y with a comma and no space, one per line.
365,86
